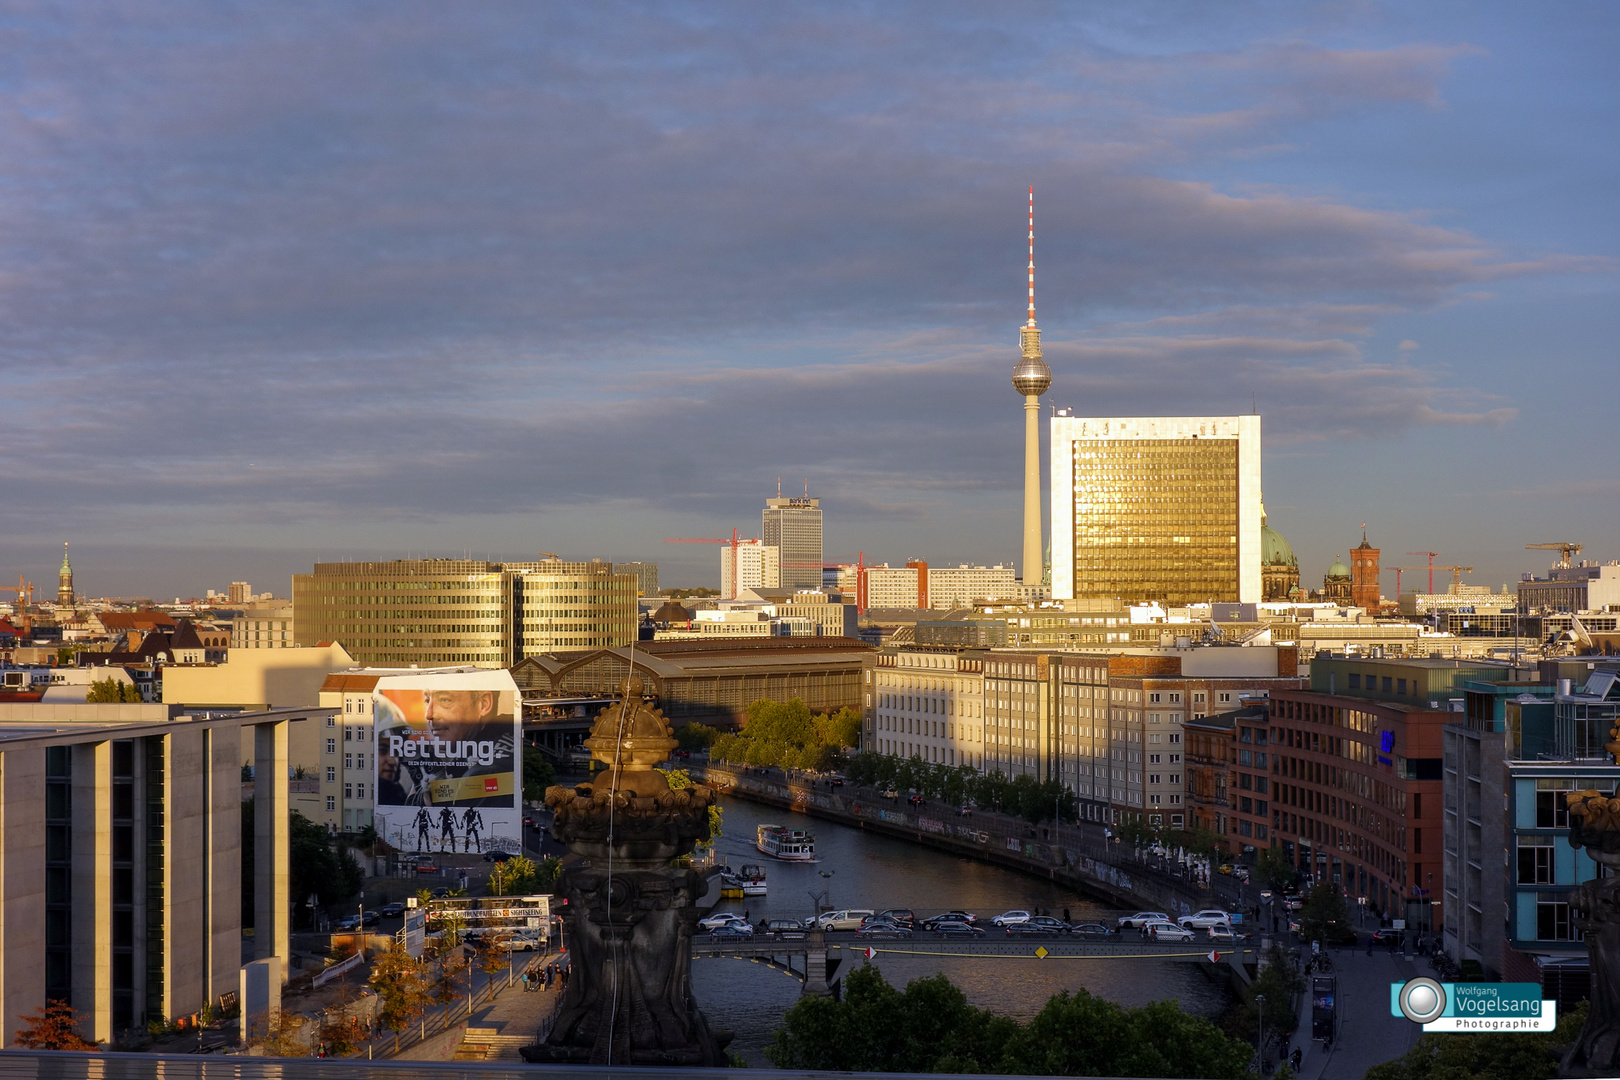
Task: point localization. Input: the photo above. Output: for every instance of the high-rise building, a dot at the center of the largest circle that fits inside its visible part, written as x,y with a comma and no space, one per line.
463,611
646,575
239,593
748,564
793,527
1031,377
1156,508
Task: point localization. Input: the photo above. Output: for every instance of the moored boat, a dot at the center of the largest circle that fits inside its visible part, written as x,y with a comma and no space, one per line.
781,842
752,879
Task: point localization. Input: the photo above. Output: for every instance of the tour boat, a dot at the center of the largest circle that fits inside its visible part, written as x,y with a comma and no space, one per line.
752,879
791,845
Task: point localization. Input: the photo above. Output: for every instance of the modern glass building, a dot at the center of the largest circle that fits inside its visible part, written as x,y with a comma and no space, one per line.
793,527
1156,508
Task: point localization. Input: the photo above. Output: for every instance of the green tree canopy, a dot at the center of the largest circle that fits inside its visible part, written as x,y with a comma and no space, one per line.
789,735
111,691
1485,1055
538,774
1325,916
1274,871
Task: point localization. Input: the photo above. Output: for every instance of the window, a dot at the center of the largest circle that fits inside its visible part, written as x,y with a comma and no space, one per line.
1153,759
1417,841
1400,686
1225,697
1261,783
1154,698
1355,681
348,761
1535,860
348,791
331,721
1175,736
348,734
359,791
1551,810
1552,921
1174,758
1387,681
331,746
1153,778
1246,805
1175,778
331,802
331,775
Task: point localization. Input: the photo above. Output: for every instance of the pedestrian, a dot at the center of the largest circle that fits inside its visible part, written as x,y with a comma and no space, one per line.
1065,914
745,914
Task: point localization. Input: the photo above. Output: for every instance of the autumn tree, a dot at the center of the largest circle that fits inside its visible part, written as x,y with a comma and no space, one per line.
55,1027
277,1033
402,988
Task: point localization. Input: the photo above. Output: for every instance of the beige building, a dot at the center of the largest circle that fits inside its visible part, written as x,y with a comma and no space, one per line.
268,626
749,564
928,702
256,678
120,858
463,611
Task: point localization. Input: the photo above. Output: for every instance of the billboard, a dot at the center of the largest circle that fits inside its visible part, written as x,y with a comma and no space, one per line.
448,762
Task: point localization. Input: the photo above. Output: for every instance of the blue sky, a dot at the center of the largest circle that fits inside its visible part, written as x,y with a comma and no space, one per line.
310,281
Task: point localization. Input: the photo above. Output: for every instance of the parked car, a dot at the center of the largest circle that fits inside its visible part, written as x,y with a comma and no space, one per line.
1203,920
391,910
784,928
720,918
499,856
957,915
1220,932
965,811
899,915
881,927
1039,924
1091,929
737,929
1007,918
955,926
370,918
1168,931
1293,901
1141,919
348,922
847,919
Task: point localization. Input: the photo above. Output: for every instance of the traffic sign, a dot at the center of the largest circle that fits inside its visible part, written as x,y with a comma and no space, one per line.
1214,957
870,952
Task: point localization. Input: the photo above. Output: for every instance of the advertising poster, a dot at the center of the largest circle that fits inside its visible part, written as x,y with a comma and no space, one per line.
449,762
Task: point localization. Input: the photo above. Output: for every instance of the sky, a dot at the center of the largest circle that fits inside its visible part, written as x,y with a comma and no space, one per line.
312,281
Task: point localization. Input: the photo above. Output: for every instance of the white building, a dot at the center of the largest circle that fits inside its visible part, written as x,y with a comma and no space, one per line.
1588,587
919,585
1156,508
749,564
928,702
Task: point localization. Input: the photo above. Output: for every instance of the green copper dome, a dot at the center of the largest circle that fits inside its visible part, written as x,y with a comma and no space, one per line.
1274,550
1338,570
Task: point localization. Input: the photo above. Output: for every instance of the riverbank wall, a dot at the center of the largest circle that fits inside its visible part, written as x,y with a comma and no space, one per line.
1068,859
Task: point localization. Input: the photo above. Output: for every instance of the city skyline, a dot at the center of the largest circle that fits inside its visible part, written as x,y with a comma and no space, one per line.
523,281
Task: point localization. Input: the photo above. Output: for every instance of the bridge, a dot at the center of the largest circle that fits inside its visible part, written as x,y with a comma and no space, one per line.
819,971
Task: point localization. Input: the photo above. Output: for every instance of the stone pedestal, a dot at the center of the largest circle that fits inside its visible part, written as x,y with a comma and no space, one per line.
1594,823
630,912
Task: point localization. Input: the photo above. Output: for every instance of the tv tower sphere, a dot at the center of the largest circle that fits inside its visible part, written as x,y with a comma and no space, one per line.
1032,376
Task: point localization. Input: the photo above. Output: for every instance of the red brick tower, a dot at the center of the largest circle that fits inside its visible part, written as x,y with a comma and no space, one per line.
1364,574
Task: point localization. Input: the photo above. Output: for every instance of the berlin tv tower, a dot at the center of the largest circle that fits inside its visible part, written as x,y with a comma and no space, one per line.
1031,377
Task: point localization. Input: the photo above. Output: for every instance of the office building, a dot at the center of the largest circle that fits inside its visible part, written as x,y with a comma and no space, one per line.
1587,587
463,611
793,527
121,858
1032,377
646,576
1156,508
749,564
920,585
928,702
263,626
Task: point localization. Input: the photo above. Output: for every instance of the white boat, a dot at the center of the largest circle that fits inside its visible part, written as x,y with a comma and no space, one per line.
790,845
752,879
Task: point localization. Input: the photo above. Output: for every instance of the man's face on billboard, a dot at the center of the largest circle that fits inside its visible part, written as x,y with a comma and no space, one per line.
454,708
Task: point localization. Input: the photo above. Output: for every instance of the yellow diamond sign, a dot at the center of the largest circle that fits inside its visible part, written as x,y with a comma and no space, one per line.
1041,952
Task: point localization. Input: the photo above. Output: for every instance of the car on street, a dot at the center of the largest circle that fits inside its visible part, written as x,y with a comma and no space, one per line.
720,918
784,928
1141,919
1091,929
1039,924
1168,931
1387,937
1203,920
499,856
956,927
348,922
880,927
957,915
1220,932
1293,926
846,919
1007,918
394,909
900,915
733,929
1293,901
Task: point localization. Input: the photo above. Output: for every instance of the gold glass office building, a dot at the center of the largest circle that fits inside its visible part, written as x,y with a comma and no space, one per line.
463,611
1156,508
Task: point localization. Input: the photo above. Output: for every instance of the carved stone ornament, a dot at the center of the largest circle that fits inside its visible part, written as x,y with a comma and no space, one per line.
1594,824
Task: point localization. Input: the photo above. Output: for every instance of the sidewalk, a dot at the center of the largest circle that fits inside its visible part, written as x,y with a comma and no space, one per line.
1368,1034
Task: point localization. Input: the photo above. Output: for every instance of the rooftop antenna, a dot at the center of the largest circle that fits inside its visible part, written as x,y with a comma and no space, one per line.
807,487
778,487
1032,255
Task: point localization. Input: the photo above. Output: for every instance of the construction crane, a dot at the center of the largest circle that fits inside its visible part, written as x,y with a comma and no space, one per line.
736,541
1566,549
1456,574
1432,555
25,599
550,555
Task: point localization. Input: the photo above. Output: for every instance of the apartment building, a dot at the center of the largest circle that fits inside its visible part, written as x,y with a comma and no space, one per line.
926,701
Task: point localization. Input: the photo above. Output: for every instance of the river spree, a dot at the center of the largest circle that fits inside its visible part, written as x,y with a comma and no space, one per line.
860,869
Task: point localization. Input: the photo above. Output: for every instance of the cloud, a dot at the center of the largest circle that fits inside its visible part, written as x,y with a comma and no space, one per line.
1408,346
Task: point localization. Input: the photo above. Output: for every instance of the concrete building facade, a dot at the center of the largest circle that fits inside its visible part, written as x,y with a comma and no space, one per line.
793,527
120,864
1588,587
928,702
749,564
1156,508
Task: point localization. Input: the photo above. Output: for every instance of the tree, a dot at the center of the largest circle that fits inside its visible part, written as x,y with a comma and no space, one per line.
111,691
342,1029
696,736
1486,1055
787,734
538,774
401,986
1325,917
1274,871
1281,983
1083,1035
55,1027
678,779
315,867
276,1033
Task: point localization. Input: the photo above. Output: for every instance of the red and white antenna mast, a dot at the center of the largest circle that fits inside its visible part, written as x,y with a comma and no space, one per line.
1032,256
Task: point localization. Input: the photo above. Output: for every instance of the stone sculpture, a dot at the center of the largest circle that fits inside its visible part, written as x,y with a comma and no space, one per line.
1594,823
630,906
